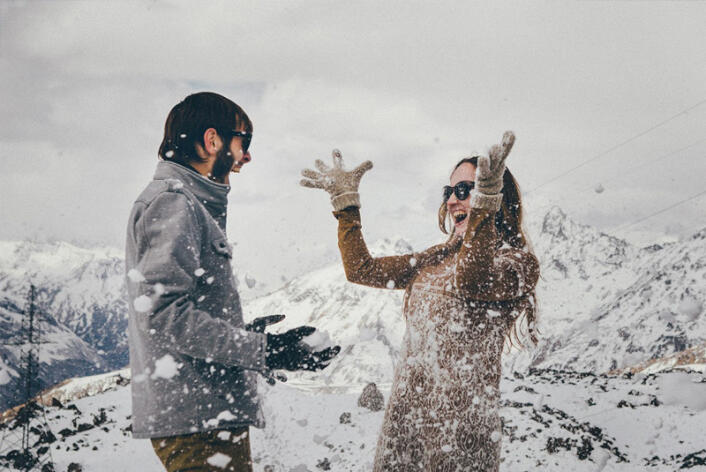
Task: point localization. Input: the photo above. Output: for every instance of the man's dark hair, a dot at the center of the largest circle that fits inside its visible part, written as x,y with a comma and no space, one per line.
189,120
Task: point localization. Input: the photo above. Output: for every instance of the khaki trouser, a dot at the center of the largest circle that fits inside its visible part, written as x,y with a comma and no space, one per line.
218,450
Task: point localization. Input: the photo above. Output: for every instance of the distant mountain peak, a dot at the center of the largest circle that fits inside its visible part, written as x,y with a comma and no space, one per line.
394,246
555,223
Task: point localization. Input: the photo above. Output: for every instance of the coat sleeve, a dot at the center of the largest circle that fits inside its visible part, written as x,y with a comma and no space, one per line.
360,267
168,257
488,274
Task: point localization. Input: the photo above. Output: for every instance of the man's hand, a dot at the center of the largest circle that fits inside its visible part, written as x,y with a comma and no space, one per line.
287,351
341,184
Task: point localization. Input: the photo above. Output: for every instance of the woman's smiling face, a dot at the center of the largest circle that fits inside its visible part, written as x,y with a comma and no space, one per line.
459,209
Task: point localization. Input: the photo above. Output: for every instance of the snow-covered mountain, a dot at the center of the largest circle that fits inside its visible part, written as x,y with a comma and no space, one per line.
62,353
83,289
604,304
81,294
365,322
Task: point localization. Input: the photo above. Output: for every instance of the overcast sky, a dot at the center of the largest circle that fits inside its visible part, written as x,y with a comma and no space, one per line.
85,87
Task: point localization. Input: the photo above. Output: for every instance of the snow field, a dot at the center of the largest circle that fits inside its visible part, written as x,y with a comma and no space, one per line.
553,421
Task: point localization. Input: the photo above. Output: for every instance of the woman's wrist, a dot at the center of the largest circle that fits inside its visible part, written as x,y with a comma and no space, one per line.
486,202
345,200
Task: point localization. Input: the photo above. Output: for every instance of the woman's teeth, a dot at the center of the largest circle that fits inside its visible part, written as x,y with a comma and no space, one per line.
459,216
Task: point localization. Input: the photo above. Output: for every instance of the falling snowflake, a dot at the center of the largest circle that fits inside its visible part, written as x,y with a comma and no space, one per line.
142,304
135,276
226,415
165,367
219,460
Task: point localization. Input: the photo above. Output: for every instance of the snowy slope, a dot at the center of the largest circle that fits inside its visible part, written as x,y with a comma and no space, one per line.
365,322
62,353
693,359
553,421
83,293
604,304
81,288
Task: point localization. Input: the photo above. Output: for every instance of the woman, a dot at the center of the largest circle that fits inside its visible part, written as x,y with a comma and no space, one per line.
462,299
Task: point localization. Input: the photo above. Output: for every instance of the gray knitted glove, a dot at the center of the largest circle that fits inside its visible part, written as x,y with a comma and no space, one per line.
341,184
489,175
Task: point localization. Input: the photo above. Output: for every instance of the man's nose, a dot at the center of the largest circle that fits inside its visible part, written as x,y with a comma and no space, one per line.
246,157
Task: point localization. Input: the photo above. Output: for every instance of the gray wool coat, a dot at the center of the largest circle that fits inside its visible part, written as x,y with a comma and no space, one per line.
193,365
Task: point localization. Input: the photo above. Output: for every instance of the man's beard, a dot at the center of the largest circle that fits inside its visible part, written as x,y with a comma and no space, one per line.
223,165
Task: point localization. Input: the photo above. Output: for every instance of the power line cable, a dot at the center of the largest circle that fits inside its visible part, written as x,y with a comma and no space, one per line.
628,225
623,143
645,164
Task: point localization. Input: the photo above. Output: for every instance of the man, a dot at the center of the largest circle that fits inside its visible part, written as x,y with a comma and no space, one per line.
194,364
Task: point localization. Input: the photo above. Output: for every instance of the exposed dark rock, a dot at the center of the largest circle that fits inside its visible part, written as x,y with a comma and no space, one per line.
324,464
345,418
371,398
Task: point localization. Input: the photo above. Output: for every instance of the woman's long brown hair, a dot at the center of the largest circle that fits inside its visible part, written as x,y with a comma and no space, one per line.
508,223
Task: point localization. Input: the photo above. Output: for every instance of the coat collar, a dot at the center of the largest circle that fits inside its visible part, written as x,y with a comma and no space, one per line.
212,195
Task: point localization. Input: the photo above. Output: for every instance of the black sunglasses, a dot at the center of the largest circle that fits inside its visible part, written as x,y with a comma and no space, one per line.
246,138
461,189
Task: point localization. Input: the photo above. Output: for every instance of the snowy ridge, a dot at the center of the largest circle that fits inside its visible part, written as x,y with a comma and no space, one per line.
62,353
553,421
81,288
81,387
366,322
604,304
692,359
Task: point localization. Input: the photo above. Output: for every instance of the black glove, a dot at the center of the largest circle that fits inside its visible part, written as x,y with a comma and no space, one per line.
287,351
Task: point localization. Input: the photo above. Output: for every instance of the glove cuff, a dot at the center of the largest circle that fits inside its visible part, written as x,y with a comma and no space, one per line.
486,202
489,187
345,200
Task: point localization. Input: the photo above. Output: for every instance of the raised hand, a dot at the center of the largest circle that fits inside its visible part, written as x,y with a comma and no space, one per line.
341,184
489,175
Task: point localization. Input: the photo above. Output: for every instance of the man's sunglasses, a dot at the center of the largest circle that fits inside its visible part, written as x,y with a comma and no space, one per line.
461,189
246,138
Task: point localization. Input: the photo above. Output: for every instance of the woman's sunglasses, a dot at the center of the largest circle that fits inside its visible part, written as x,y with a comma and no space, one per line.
462,190
246,138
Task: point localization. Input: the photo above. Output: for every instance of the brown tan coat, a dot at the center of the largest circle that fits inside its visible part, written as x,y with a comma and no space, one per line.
461,298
